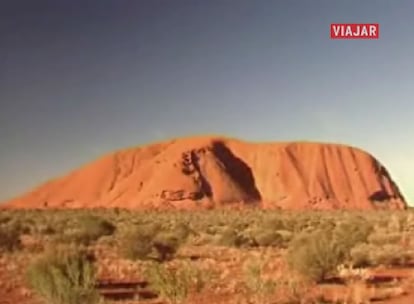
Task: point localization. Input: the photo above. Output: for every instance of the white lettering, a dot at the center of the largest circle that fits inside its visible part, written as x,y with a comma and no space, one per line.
364,31
336,29
358,30
372,30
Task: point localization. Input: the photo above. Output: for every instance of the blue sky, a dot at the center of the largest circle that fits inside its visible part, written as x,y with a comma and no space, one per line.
79,79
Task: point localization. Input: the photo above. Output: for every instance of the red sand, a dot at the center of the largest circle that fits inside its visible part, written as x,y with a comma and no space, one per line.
207,172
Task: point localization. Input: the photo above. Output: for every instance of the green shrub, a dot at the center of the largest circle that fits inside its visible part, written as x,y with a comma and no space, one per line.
4,219
258,288
391,255
137,244
152,242
182,230
212,230
9,239
64,276
275,222
46,229
18,226
409,222
395,223
361,255
166,245
364,255
231,238
314,255
175,285
91,228
351,232
384,238
267,238
286,235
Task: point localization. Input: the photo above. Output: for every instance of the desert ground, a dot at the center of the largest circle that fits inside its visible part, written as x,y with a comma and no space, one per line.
216,256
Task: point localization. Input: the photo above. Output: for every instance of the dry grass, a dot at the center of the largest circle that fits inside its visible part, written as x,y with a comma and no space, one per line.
223,241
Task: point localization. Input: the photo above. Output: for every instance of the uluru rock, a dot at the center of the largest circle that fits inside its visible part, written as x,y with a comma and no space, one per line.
206,172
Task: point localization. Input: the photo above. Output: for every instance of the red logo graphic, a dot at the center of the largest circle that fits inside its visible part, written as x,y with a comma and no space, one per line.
354,31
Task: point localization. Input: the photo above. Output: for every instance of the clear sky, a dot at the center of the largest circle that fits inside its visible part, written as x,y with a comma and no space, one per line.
81,78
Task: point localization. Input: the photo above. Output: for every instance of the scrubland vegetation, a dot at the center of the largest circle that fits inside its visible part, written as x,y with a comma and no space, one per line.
250,256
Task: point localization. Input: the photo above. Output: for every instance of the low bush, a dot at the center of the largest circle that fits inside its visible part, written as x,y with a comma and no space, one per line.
137,244
267,238
364,255
5,218
152,242
46,229
232,238
9,239
384,238
166,244
351,232
390,255
274,222
315,255
64,276
361,255
259,289
91,228
175,284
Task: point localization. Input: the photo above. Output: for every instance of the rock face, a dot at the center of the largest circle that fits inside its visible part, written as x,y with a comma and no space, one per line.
206,172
